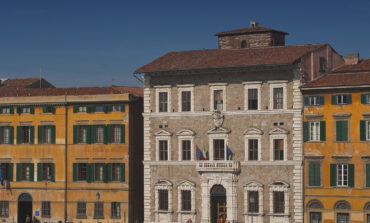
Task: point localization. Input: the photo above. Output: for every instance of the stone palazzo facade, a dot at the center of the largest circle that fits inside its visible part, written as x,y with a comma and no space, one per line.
223,130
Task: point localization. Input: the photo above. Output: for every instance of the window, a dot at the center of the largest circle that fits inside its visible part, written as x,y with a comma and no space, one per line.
99,133
163,149
46,134
4,209
5,110
367,180
253,199
25,134
186,200
243,44
81,209
116,210
116,171
218,100
278,149
252,99
253,149
25,172
342,217
98,171
99,108
7,169
98,209
6,134
116,108
116,133
45,209
314,174
315,217
342,99
185,101
313,100
81,171
322,64
186,150
82,133
163,101
26,110
163,200
341,129
47,171
278,98
82,108
342,175
314,131
278,202
364,130
365,99
219,149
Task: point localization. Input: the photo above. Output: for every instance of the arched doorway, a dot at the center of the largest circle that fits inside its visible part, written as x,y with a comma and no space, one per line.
24,207
218,204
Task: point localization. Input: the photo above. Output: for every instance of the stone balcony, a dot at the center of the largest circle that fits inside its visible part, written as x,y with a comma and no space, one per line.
230,166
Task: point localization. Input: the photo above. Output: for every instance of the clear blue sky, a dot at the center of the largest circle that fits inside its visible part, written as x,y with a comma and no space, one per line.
89,43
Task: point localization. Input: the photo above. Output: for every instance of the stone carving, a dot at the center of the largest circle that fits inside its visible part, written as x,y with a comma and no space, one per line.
218,119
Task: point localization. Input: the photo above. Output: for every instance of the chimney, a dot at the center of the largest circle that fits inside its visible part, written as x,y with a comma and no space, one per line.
254,24
351,58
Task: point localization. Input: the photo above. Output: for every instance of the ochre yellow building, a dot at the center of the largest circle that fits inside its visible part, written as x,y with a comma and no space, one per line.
71,154
337,145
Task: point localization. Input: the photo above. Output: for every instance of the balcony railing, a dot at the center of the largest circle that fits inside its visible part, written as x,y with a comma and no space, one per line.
219,166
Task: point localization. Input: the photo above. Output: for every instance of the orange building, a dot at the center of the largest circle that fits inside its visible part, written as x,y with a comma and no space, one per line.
71,154
337,144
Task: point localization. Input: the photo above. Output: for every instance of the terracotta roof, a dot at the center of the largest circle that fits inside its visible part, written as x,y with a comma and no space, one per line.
21,82
363,65
340,79
215,58
249,30
15,92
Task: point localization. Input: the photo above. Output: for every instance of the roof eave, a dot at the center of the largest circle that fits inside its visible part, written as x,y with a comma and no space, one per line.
334,87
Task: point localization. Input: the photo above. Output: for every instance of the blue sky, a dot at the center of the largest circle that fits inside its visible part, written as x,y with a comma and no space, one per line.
98,43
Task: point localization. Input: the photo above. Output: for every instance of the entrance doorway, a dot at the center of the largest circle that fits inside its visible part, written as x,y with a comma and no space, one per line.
24,207
218,204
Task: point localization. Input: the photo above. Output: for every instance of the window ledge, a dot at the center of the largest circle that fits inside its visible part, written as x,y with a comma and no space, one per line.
314,116
115,217
341,156
163,212
98,217
366,114
279,214
314,157
254,213
187,212
342,115
313,187
81,217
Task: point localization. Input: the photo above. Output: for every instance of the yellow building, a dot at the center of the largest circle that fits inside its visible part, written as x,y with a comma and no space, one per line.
71,154
337,144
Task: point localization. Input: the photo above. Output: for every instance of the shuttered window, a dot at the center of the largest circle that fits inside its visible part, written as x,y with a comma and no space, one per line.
342,175
367,175
163,200
279,204
341,130
365,99
314,100
314,174
343,99
314,131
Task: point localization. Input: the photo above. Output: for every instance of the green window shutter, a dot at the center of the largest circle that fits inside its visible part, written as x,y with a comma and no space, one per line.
321,100
110,109
75,130
305,131
52,127
322,131
11,135
349,99
333,99
32,110
106,108
314,178
39,172
19,134
363,130
91,172
1,111
18,172
123,109
367,175
90,134
109,133
90,109
105,140
32,134
333,175
363,99
19,110
351,175
345,131
11,171
75,109
306,100
123,140
122,172
109,172
39,134
311,175
11,110
105,174
31,172
44,109
75,172
52,172
338,131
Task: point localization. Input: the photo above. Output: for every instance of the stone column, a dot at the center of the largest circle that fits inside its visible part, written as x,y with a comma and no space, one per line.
206,200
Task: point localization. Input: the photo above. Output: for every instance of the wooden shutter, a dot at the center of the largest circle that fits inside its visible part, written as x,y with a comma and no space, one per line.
106,108
75,109
105,175
90,109
307,100
44,109
351,175
11,110
52,172
108,169
32,110
10,172
363,130
52,128
32,134
349,99
322,131
39,172
19,134
74,171
90,134
333,175
39,134
19,110
91,172
109,133
338,131
105,135
333,99
123,135
11,135
53,110
314,178
18,172
123,174
31,172
367,175
75,130
321,100
305,131
345,130
123,109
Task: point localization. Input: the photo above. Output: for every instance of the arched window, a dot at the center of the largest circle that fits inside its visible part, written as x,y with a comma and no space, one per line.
342,209
244,44
315,207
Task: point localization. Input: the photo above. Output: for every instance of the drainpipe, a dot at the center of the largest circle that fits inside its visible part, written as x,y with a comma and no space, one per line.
65,159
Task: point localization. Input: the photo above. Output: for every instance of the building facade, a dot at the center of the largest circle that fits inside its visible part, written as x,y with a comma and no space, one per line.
223,130
337,156
71,154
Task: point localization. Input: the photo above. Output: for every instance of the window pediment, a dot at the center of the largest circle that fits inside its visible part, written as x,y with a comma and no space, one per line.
253,185
163,183
187,184
253,131
279,184
278,131
163,133
219,130
185,132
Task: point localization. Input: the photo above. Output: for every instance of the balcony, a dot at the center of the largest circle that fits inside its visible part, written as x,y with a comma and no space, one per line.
229,166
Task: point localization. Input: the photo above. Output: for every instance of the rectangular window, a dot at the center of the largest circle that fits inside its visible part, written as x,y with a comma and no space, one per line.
163,101
48,109
314,174
81,209
186,101
116,133
315,131
343,99
26,110
341,129
45,209
252,99
82,108
45,134
5,167
253,149
5,110
315,217
163,200
116,210
218,100
46,171
186,150
98,210
342,175
253,205
186,200
368,130
4,209
116,108
81,171
367,180
98,171
278,98
99,133
116,171
279,204
25,134
278,149
99,108
219,149
322,64
82,133
26,172
163,150
5,134
343,218
313,100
